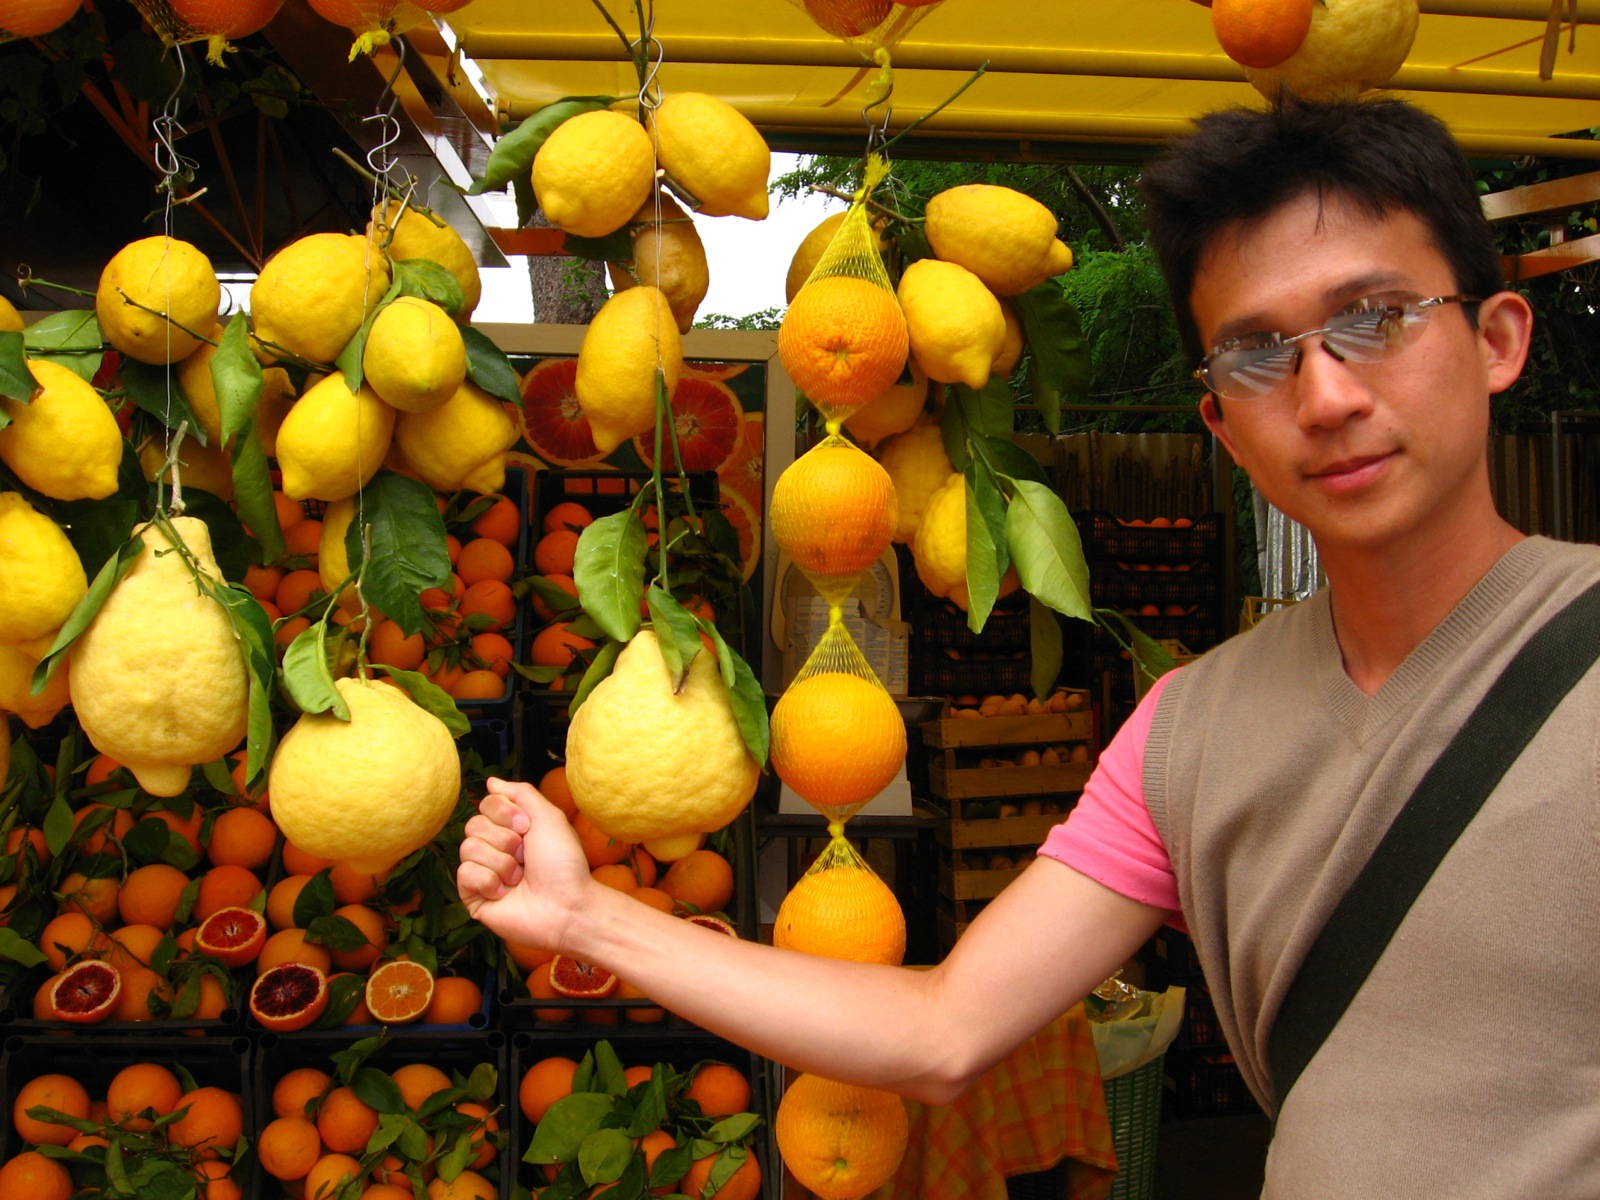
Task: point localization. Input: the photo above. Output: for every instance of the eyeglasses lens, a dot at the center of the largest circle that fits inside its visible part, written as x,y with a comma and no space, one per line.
1364,336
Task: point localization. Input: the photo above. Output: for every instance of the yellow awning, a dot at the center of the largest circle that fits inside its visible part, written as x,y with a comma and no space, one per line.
1066,78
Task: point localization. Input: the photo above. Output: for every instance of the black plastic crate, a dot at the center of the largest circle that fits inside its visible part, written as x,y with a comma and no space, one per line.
93,1061
517,488
1116,587
606,492
540,731
1106,537
642,1047
1202,1083
609,1016
935,672
453,1053
1170,961
1201,1030
493,740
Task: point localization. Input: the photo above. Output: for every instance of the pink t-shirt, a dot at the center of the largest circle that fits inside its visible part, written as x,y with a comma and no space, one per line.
1109,835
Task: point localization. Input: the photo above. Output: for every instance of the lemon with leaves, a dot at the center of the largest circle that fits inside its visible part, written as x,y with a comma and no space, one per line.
199,466
312,296
41,576
159,676
156,300
461,444
10,319
418,235
369,790
954,322
714,153
1351,46
593,172
414,357
65,442
940,547
333,440
632,337
645,761
1005,238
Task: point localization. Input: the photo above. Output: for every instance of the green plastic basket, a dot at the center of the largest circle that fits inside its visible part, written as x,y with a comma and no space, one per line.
1133,1104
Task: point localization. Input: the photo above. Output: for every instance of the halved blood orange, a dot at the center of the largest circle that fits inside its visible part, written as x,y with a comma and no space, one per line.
710,424
232,936
580,980
552,422
746,522
289,997
711,922
86,991
745,469
399,991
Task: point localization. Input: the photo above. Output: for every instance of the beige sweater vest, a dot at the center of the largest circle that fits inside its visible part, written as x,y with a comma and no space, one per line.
1469,1063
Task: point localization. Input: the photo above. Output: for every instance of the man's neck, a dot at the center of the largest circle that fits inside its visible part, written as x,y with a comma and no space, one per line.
1385,604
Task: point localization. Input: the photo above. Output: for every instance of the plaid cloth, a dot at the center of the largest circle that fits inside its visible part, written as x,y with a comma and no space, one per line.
1041,1104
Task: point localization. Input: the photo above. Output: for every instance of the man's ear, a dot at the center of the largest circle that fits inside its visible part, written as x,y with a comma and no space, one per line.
1211,414
1505,330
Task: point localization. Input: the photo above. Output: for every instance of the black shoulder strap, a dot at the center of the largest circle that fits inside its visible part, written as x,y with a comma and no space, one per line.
1444,803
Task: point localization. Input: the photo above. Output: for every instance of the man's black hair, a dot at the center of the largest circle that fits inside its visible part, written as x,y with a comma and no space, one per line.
1241,165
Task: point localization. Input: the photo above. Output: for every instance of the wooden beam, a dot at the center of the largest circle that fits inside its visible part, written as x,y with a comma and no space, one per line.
1561,257
1539,199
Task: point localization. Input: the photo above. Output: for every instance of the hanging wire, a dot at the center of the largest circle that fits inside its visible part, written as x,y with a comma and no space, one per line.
379,158
176,170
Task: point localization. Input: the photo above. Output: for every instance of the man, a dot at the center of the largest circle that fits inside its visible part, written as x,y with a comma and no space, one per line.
1338,288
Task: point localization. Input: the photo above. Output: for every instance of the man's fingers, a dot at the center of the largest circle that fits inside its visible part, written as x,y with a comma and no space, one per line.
507,839
476,883
503,864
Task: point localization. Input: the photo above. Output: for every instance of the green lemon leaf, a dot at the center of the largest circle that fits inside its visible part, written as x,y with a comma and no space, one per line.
677,632
511,159
1044,637
58,825
316,899
749,705
599,670
1047,550
98,528
1147,653
86,610
427,280
431,698
71,338
953,429
1011,459
671,1166
734,1129
377,1089
608,1070
236,376
349,359
557,598
987,558
489,368
567,1122
409,548
604,1155
306,674
19,949
156,391
990,411
616,246
16,381
1060,368
527,202
609,571
345,992
227,535
252,493
336,933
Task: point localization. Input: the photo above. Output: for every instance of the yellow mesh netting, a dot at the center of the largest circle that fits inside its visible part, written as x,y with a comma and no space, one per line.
213,23
840,908
843,340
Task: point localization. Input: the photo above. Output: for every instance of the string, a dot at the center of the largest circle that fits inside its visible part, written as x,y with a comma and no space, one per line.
172,165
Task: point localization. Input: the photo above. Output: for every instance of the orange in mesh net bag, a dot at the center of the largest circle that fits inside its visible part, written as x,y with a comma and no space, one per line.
833,509
841,909
837,736
868,25
843,340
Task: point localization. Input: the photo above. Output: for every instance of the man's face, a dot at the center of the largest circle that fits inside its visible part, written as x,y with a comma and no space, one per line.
1362,454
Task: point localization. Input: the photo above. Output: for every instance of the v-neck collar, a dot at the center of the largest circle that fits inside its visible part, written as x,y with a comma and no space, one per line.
1360,714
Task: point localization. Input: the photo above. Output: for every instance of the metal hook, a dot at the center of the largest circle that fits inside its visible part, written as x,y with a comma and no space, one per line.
649,94
378,158
877,131
167,129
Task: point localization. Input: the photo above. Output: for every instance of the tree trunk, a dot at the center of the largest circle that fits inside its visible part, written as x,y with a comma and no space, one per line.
566,291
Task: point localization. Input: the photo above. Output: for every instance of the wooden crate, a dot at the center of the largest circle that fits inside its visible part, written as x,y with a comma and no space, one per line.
963,889
952,741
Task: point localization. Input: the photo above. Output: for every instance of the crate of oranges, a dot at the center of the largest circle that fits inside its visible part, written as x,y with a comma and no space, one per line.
168,1116
130,912
672,1115
421,1114
704,879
